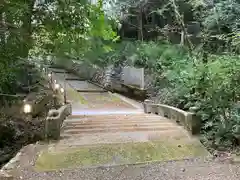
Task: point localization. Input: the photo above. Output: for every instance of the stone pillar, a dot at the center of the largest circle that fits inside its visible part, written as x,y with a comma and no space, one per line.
193,123
147,105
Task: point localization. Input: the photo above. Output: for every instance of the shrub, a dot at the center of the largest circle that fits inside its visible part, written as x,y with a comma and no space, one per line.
176,79
214,89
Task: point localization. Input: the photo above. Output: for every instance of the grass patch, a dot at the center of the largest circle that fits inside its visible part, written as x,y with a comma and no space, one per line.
75,96
115,98
108,98
127,153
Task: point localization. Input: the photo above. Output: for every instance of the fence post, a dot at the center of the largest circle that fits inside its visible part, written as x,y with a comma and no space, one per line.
142,78
65,95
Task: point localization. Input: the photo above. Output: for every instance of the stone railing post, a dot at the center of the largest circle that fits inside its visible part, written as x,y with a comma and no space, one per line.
147,105
54,121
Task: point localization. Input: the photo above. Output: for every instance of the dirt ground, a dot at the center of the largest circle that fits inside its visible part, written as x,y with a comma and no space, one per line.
189,169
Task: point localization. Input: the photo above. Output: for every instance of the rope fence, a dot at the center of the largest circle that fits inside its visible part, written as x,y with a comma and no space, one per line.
12,95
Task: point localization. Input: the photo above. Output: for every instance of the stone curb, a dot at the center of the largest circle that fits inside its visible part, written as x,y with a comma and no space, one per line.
5,176
12,164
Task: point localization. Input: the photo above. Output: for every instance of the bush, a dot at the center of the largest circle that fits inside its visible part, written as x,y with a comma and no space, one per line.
176,79
214,89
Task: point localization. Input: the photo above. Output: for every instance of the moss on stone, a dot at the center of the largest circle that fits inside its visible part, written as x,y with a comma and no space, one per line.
127,153
108,98
75,96
115,98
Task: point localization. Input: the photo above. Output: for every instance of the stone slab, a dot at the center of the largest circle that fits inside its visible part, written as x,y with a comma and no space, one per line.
83,85
118,154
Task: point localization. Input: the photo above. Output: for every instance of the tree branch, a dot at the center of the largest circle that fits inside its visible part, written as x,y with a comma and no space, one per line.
182,24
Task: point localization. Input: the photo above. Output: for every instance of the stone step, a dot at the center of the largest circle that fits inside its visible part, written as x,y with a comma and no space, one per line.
88,125
137,115
93,111
117,123
117,126
101,139
119,129
114,120
121,137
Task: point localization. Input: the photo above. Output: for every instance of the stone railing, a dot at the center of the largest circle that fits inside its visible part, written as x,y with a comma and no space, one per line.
55,120
104,77
187,119
37,102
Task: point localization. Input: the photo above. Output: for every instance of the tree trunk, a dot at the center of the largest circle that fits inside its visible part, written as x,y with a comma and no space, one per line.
140,25
2,27
27,28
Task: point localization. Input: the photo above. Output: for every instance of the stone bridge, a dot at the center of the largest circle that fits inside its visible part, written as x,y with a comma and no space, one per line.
102,135
106,128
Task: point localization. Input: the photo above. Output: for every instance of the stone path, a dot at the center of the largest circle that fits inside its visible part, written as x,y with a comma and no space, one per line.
107,134
175,170
191,169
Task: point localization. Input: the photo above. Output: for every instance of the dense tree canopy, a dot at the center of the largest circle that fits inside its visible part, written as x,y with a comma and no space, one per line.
57,27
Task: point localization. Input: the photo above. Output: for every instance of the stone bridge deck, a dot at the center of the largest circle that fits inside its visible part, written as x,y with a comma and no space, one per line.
108,129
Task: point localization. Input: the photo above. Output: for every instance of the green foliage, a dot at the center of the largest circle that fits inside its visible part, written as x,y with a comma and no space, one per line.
14,43
184,82
74,29
213,88
56,27
224,17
